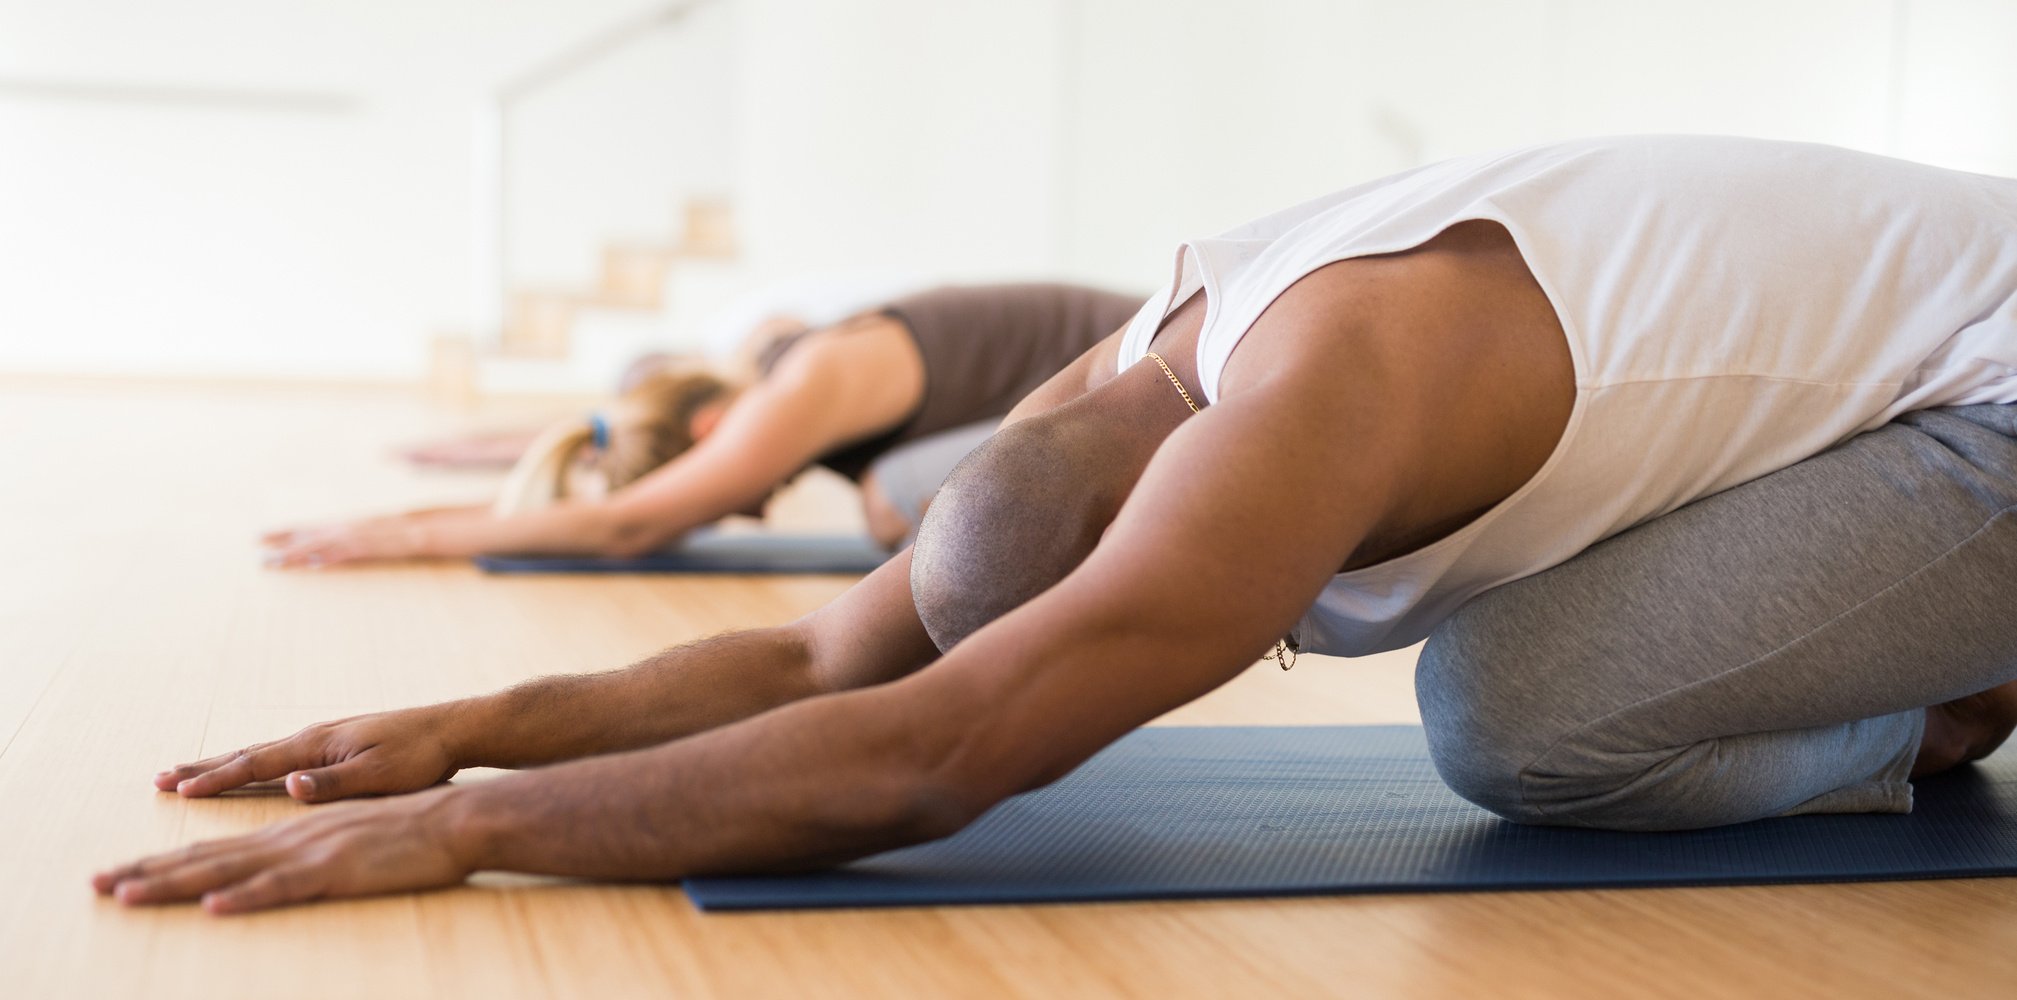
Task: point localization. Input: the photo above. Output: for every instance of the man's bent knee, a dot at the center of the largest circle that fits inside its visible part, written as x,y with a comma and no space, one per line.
1483,727
1502,736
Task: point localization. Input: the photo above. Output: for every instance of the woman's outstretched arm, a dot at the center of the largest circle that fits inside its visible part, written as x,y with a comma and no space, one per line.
828,392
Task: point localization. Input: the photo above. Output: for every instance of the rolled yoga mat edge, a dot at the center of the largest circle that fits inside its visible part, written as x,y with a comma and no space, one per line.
1231,812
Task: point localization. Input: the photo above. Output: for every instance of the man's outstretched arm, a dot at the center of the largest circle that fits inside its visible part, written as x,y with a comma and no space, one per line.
1198,576
1423,398
866,636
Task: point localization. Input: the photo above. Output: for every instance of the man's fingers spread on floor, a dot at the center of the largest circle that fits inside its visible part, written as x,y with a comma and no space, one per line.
108,880
192,769
230,774
167,780
262,764
270,888
190,880
157,864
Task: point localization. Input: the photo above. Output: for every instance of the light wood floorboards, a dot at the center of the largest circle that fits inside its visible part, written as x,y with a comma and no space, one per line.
138,630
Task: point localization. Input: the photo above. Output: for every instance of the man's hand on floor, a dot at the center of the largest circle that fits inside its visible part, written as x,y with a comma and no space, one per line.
382,754
355,849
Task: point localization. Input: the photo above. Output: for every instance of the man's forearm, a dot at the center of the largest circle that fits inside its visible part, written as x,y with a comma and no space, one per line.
823,780
817,782
678,692
833,778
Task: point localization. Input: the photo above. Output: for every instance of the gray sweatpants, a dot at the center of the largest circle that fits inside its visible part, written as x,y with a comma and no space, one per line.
1765,651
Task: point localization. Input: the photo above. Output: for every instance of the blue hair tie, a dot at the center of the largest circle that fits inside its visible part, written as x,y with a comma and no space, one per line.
598,431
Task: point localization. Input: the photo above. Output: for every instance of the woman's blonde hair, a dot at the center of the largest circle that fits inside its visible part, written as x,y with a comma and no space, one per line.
649,425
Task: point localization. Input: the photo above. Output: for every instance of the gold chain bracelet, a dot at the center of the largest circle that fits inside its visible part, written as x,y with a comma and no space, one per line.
1181,391
1283,653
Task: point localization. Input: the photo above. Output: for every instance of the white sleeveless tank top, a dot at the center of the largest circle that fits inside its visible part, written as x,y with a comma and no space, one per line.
1732,306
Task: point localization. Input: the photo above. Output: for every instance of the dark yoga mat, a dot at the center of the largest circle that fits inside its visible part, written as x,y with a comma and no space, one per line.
1174,813
718,553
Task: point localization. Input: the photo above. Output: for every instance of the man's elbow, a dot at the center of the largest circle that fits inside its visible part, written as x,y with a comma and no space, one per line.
889,808
934,810
936,785
946,800
965,778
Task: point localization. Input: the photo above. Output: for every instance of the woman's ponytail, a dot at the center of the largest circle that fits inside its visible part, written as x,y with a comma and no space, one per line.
540,477
652,424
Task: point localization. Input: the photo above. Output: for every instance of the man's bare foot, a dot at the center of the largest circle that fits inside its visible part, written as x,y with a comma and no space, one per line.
1966,729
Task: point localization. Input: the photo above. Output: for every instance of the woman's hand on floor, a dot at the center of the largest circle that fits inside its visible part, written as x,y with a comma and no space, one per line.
378,538
356,849
382,754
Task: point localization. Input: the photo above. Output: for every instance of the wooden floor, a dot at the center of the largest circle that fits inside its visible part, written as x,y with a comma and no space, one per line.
137,630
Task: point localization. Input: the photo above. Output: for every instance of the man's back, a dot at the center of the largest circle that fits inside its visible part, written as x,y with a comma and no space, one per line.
1733,306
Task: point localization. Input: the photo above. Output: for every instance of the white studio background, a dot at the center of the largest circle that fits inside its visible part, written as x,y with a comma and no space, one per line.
231,187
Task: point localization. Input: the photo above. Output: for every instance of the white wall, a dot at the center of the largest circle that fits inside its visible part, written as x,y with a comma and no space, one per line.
611,152
900,134
1957,96
241,187
251,241
966,138
1196,116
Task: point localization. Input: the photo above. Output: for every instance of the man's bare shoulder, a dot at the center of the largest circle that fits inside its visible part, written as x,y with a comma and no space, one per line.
1445,365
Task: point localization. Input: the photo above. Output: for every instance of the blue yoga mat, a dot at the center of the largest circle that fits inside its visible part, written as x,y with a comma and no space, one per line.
1174,813
710,552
